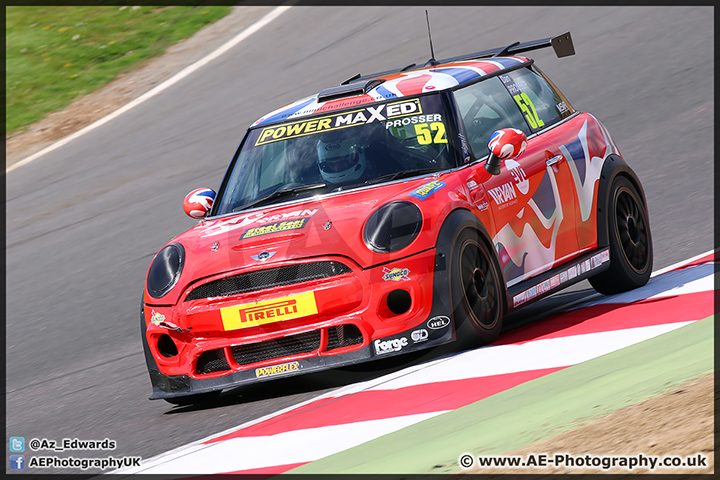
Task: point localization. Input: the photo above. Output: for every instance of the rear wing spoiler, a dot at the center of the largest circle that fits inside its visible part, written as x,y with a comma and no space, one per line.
562,45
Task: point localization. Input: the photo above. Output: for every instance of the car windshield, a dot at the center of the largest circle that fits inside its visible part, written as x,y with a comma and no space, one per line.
338,151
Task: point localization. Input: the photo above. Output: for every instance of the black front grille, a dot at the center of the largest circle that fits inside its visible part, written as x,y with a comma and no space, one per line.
212,361
271,277
276,348
344,336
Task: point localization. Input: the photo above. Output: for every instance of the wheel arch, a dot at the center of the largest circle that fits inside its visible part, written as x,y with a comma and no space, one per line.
614,166
457,221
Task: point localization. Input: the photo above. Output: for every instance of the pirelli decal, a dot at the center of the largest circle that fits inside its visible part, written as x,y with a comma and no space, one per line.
269,311
274,228
361,116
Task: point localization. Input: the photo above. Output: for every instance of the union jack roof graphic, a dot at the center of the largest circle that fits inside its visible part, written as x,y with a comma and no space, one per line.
398,85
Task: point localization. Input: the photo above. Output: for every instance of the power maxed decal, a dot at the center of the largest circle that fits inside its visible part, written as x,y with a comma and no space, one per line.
361,116
269,311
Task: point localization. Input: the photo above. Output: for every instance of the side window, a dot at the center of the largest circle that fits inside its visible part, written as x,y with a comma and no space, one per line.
539,102
487,106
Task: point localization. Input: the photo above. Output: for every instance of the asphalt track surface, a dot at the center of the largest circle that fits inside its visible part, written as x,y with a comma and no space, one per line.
84,221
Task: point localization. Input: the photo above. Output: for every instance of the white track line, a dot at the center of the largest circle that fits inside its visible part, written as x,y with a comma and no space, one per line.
682,263
163,86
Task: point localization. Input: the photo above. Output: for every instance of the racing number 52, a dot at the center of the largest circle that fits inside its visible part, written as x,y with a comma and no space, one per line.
424,136
532,117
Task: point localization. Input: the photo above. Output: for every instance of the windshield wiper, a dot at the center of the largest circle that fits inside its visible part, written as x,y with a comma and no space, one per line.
280,193
404,173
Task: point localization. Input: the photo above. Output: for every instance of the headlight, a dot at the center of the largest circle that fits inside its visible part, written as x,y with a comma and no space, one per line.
165,270
392,227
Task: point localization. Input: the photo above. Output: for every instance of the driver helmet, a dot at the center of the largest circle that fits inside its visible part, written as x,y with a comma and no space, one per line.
340,158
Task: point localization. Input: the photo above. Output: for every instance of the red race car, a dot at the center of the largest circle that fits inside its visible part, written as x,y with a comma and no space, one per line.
394,212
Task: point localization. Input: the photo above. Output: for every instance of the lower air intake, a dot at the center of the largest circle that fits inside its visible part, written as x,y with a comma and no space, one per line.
212,361
277,348
344,336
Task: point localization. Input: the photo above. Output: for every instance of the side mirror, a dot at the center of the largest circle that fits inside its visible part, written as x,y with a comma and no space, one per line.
199,202
504,144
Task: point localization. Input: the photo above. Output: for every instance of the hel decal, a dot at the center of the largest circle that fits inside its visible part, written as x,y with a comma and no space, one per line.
337,121
269,311
436,323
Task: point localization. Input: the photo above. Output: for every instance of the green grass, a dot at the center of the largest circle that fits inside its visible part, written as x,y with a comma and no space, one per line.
57,54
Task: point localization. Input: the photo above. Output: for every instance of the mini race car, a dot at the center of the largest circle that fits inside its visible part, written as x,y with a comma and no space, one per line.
394,212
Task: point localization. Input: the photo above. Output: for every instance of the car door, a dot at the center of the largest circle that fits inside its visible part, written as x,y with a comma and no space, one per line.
529,200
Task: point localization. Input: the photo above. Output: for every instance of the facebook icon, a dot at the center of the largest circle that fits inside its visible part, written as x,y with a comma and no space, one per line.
17,462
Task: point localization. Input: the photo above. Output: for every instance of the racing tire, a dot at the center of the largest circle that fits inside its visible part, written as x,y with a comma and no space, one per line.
631,254
477,291
194,399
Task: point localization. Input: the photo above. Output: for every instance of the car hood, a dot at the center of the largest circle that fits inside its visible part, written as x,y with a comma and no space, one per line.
316,227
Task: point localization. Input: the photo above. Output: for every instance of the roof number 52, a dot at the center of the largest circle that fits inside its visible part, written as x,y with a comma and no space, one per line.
532,117
425,137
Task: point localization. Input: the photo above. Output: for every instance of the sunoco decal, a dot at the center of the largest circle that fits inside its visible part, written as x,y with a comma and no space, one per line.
268,311
426,190
395,274
337,121
274,228
277,369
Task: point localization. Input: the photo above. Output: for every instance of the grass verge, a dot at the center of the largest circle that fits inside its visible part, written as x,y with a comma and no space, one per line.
57,54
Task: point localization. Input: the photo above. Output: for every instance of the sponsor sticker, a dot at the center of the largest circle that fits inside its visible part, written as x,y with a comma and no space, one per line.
436,117
518,299
277,369
274,228
269,311
337,121
426,190
395,274
436,323
388,346
419,335
157,318
572,272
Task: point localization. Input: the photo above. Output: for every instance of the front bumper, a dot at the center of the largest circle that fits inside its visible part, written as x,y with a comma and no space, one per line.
427,323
